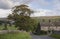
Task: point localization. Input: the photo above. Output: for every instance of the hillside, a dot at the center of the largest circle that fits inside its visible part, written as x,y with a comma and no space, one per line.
47,17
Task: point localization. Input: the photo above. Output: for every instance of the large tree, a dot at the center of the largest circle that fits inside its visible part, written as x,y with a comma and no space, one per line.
21,16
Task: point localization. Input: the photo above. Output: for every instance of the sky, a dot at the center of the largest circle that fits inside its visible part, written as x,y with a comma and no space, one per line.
41,7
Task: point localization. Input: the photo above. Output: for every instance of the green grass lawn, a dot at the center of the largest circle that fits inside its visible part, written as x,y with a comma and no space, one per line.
56,36
9,27
20,35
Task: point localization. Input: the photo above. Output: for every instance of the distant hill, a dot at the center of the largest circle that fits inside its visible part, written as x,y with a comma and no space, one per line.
41,17
47,17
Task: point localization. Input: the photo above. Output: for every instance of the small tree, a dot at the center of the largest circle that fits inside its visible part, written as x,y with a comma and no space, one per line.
1,22
5,26
38,29
43,20
49,24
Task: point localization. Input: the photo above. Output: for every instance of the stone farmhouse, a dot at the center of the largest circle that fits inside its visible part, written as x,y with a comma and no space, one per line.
49,22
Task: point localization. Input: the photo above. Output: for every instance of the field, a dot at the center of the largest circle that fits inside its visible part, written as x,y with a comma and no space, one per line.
19,35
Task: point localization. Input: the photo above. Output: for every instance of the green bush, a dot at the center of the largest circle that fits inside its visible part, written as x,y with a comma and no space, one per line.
42,32
56,36
20,35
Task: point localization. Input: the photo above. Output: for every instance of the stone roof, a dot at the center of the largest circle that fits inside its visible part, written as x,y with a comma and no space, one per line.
50,24
45,24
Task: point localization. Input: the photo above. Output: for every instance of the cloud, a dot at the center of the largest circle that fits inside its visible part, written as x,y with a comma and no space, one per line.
4,13
6,4
41,5
54,5
22,1
40,12
43,2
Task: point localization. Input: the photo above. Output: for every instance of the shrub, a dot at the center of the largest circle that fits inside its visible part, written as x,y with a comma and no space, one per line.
42,32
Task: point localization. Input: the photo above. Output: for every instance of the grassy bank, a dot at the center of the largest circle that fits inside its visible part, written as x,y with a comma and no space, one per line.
57,36
20,35
9,27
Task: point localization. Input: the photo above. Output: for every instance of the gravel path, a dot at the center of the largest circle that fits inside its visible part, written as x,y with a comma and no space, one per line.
41,37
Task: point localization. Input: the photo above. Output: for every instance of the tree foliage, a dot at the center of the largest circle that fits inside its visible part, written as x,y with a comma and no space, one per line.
38,29
21,16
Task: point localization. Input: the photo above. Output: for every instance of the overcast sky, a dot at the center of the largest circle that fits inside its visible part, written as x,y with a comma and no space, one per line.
42,7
